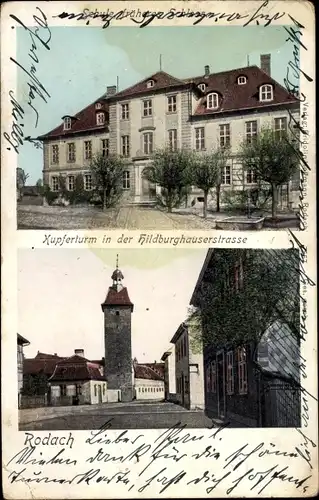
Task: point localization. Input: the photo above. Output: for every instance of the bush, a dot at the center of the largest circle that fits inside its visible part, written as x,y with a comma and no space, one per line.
246,200
49,195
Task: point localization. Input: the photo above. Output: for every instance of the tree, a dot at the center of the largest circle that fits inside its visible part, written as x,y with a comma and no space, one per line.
238,311
206,173
21,179
171,171
39,186
107,173
272,159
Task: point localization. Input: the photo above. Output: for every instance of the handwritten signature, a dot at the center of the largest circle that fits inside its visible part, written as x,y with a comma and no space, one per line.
40,35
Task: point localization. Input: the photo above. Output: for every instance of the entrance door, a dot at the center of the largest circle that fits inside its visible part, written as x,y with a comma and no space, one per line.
100,393
148,189
221,384
183,389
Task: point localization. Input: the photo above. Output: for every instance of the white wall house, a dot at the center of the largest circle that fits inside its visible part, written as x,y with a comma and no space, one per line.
148,385
189,368
199,113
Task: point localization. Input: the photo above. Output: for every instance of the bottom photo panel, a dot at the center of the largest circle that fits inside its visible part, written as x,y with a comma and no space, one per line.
146,339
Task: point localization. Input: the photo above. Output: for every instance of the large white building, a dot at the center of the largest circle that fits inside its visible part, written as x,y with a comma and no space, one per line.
197,113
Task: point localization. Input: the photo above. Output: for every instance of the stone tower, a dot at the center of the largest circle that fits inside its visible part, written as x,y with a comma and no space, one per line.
117,309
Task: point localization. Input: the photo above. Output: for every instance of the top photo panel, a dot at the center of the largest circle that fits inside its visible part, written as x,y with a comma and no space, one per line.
161,128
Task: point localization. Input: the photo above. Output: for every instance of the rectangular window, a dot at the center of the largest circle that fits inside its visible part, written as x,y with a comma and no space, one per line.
251,176
88,182
71,151
100,118
208,378
171,104
87,150
125,145
78,390
105,147
224,136
172,139
104,389
251,131
225,175
95,389
55,153
125,111
67,123
213,379
280,127
71,183
63,390
199,138
148,143
126,180
55,183
147,108
242,370
230,372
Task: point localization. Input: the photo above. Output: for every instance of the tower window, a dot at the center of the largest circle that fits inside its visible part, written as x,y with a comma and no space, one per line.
117,313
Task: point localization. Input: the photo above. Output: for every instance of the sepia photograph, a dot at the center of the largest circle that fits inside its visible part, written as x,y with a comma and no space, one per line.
148,339
142,130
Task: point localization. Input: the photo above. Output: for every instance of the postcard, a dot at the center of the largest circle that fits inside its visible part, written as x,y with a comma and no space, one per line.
158,255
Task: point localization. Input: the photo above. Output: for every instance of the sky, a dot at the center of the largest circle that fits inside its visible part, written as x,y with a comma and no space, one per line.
83,61
67,287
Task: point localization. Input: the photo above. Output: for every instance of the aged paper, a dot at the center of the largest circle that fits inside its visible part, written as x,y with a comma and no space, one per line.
159,326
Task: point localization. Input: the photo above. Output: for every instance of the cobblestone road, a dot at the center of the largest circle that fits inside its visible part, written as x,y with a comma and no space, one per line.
130,217
123,415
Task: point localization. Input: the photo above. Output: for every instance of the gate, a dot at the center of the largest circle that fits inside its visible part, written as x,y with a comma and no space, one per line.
280,403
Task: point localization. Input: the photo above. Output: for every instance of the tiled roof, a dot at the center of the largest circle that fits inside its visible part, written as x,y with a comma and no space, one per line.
145,372
83,121
239,97
234,97
76,368
115,298
34,366
158,368
161,81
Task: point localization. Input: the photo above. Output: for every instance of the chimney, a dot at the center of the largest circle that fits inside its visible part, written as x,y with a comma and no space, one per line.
79,352
265,63
111,90
207,70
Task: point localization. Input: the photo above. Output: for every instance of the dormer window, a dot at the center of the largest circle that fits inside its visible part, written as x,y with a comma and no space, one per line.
202,87
150,84
212,101
266,93
67,123
241,80
98,105
100,118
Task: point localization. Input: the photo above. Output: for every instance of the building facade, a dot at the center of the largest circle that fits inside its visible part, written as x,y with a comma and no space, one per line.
21,342
189,369
117,309
252,380
76,380
169,375
148,385
199,113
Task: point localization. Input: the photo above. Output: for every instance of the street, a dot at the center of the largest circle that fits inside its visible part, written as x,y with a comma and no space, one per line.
133,415
123,217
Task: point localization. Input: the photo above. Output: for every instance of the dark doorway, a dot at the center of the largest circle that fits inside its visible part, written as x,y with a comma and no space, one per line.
221,385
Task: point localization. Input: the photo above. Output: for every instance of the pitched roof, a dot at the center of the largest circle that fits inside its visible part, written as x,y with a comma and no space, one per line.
117,298
76,368
239,97
146,372
161,81
83,121
158,368
21,340
34,366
